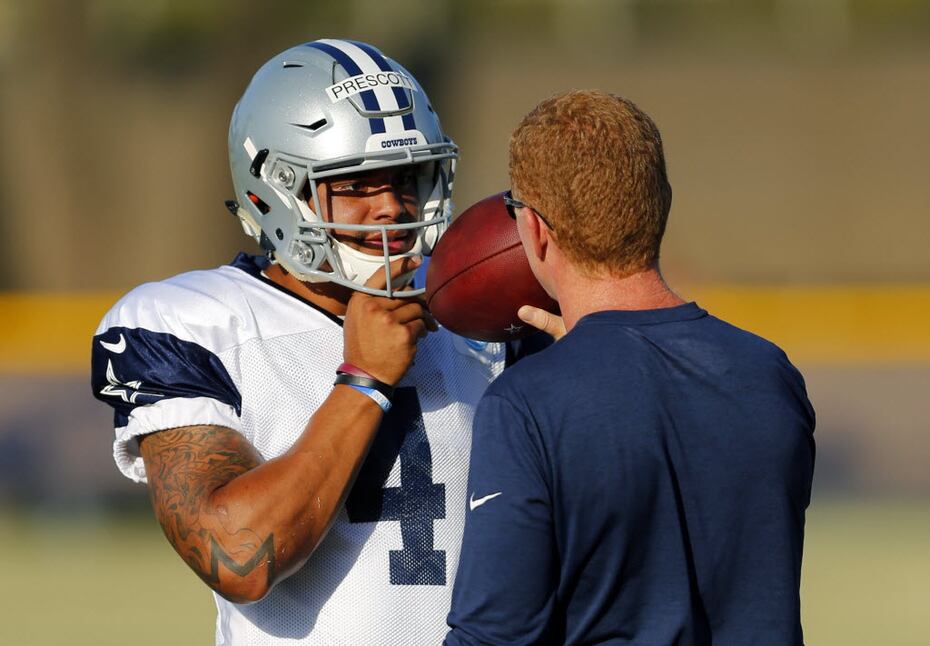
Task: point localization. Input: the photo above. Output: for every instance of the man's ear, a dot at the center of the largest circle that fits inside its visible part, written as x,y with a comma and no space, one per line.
538,236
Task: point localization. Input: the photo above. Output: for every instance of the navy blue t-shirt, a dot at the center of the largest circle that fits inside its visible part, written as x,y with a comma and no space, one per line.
642,481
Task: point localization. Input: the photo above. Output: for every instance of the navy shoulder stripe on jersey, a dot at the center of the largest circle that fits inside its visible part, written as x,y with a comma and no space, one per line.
133,367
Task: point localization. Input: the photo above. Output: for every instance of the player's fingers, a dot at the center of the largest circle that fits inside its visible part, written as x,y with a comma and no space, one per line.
428,317
393,304
418,328
399,267
410,311
550,323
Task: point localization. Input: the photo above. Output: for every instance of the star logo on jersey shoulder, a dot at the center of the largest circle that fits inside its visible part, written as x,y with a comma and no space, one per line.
130,391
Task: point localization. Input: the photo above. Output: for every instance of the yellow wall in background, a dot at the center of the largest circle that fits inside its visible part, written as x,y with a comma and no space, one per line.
828,325
51,333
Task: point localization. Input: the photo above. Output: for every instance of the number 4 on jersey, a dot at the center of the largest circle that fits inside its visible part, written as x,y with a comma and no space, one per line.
416,503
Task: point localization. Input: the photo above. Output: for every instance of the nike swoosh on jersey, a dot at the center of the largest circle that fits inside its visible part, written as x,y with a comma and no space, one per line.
115,348
473,503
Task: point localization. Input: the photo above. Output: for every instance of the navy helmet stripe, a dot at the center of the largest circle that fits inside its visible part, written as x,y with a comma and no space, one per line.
384,66
376,56
369,100
401,95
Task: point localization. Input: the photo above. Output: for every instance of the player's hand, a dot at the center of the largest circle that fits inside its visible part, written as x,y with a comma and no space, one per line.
381,334
551,324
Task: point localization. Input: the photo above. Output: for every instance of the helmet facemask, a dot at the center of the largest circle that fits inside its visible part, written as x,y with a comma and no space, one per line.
313,253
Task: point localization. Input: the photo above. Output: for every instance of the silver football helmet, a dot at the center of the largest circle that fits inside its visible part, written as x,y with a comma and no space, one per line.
326,108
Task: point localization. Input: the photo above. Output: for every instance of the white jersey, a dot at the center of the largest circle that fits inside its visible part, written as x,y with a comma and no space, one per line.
229,347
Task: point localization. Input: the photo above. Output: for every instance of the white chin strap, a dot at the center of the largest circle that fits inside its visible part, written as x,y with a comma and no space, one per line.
358,267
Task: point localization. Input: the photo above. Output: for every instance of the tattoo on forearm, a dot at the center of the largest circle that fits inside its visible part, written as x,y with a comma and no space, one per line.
185,466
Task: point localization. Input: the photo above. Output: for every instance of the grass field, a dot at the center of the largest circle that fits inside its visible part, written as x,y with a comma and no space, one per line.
97,581
116,581
866,578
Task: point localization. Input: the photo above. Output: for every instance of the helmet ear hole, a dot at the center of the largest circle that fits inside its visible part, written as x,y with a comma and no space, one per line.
257,201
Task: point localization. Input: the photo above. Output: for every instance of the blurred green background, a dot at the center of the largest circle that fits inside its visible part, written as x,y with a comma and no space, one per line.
796,133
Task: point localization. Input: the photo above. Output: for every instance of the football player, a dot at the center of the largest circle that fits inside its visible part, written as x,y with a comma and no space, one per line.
297,459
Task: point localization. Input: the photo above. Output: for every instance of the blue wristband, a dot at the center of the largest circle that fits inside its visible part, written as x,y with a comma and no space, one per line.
378,397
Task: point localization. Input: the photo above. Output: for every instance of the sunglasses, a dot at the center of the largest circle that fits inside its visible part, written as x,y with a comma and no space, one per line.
513,203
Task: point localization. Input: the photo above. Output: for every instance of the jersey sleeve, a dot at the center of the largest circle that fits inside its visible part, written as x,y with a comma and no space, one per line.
158,369
505,588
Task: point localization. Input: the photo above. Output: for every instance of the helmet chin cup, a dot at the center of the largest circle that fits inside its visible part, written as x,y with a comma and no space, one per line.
358,267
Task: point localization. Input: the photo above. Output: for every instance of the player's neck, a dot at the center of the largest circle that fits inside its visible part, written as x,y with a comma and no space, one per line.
327,296
580,294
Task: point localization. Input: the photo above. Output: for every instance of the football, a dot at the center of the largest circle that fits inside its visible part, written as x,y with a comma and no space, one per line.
478,276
